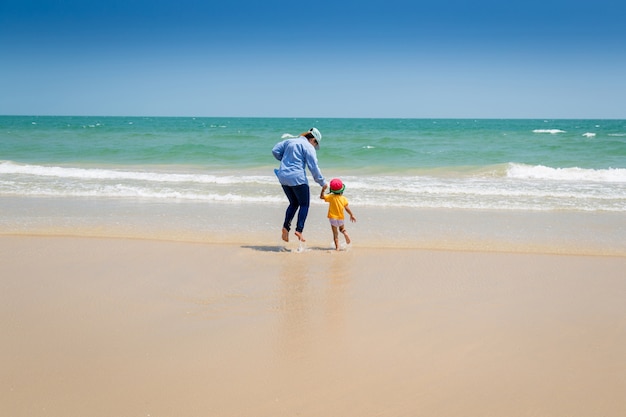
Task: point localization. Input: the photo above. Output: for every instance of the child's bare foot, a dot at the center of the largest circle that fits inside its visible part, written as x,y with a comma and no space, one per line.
299,235
285,235
345,234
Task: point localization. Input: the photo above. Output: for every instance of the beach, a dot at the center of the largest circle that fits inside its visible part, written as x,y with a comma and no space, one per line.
147,327
142,271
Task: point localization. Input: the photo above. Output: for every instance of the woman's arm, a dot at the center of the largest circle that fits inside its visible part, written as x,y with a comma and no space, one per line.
278,150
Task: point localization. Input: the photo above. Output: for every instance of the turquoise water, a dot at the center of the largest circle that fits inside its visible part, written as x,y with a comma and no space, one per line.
385,145
577,165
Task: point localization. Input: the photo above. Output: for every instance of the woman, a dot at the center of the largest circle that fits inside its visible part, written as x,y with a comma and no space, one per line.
294,155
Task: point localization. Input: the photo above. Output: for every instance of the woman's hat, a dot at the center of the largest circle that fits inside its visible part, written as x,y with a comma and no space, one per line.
336,186
317,135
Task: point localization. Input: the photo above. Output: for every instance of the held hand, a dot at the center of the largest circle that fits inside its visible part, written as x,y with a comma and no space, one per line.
322,192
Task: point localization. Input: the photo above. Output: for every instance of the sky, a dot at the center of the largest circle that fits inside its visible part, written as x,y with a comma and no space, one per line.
273,58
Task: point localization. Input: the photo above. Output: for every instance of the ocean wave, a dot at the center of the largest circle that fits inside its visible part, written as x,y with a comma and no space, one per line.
522,171
551,131
499,187
9,167
145,193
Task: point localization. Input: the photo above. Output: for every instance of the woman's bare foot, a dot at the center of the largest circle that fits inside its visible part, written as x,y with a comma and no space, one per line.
299,234
285,235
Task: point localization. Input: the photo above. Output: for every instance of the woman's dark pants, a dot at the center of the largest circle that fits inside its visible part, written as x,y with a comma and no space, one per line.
299,198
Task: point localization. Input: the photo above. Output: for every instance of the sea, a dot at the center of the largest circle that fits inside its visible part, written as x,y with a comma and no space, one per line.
517,184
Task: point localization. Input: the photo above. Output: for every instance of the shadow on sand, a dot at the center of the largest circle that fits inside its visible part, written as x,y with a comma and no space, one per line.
279,248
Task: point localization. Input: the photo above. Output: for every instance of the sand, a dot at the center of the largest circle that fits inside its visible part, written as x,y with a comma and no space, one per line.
119,327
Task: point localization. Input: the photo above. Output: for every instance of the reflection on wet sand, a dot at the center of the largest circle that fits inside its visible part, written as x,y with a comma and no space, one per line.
311,302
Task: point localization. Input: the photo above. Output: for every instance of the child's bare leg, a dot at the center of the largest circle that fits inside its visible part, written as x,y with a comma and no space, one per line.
335,237
345,234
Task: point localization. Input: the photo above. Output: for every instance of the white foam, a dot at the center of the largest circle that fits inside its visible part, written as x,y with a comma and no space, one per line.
8,167
512,187
124,191
589,135
569,174
551,131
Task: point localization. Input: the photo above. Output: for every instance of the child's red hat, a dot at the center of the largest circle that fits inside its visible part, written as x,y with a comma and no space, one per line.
336,186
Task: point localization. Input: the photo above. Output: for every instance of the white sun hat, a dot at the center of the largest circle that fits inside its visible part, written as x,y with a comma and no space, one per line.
318,136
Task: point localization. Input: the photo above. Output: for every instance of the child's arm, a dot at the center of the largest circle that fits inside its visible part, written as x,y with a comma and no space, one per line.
352,218
322,192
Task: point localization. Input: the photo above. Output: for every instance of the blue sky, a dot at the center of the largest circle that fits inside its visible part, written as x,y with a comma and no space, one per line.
394,58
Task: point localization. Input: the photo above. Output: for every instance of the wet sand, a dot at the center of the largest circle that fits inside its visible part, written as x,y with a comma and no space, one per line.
119,327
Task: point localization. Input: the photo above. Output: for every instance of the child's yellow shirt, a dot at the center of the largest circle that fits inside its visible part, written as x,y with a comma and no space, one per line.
336,207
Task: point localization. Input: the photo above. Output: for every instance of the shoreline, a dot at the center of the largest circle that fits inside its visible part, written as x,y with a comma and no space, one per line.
573,233
293,246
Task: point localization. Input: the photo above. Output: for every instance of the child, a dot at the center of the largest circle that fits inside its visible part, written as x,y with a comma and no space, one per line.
335,210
